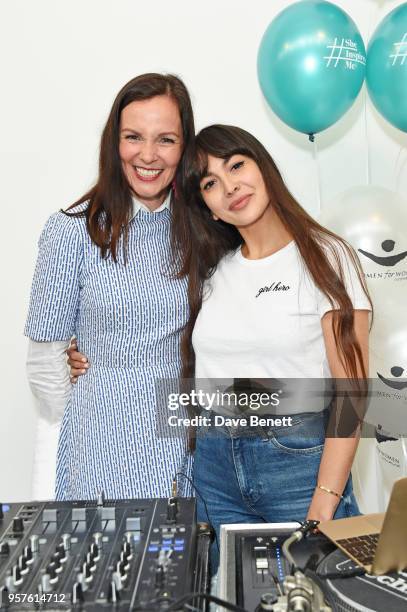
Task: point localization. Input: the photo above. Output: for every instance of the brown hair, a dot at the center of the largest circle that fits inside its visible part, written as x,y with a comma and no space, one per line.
109,201
203,241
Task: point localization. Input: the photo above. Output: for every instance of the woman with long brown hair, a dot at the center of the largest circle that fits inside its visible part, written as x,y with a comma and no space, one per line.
103,275
273,295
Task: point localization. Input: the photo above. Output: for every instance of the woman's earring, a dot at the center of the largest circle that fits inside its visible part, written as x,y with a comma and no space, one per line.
214,217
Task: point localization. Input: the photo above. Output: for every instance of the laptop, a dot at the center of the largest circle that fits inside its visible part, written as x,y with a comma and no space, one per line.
377,542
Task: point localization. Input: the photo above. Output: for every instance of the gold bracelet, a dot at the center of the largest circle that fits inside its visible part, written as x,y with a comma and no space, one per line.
329,491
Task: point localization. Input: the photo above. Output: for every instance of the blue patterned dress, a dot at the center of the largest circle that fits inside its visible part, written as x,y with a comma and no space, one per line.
127,318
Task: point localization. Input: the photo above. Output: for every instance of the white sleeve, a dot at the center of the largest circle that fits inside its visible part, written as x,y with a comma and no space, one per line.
49,381
48,376
352,283
45,459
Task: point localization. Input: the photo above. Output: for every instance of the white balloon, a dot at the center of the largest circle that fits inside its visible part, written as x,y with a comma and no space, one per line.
374,221
392,464
365,477
388,409
388,370
388,341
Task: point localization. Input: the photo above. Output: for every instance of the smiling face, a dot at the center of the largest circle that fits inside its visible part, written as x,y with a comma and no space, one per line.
150,147
234,190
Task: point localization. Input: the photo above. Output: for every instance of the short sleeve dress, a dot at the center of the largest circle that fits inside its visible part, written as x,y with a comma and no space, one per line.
127,317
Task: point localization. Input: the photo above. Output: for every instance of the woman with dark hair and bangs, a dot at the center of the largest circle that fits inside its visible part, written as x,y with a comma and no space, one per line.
272,295
104,275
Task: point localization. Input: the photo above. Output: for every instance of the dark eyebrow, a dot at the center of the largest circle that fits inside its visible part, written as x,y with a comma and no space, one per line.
125,129
129,130
169,134
225,161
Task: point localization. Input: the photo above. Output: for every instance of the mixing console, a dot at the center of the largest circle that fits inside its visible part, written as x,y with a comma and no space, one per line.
140,554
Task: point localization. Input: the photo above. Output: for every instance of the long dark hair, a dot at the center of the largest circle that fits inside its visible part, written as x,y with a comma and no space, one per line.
203,241
109,201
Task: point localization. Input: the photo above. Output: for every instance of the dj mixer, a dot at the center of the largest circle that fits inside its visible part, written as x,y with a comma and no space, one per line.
141,554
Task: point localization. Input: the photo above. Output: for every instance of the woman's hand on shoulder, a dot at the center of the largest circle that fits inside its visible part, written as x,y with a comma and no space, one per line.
78,362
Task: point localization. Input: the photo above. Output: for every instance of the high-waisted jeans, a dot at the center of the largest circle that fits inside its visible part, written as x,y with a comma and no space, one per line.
261,474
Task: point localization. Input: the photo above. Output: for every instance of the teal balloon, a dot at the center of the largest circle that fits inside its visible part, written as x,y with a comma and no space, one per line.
386,71
311,65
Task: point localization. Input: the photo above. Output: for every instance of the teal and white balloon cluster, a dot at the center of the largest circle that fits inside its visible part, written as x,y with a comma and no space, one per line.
312,64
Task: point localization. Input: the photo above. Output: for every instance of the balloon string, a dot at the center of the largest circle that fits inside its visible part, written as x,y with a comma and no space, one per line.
375,12
368,173
317,175
400,170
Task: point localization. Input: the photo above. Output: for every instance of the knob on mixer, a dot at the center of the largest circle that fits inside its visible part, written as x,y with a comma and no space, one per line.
16,573
52,573
77,593
66,541
34,544
87,574
98,539
82,580
113,593
60,550
120,569
125,561
18,525
94,550
10,584
127,549
172,510
22,564
28,554
90,562
46,585
4,593
56,562
267,601
159,576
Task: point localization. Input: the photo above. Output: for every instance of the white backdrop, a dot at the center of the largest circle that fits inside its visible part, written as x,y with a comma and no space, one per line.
63,63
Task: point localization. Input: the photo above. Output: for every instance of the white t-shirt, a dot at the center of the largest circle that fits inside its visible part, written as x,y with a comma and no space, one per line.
262,318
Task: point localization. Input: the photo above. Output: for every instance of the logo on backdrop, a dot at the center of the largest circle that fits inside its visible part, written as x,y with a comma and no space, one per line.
344,50
382,436
400,51
389,260
279,286
396,371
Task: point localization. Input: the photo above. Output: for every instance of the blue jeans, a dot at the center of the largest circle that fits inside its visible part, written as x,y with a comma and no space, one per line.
261,474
